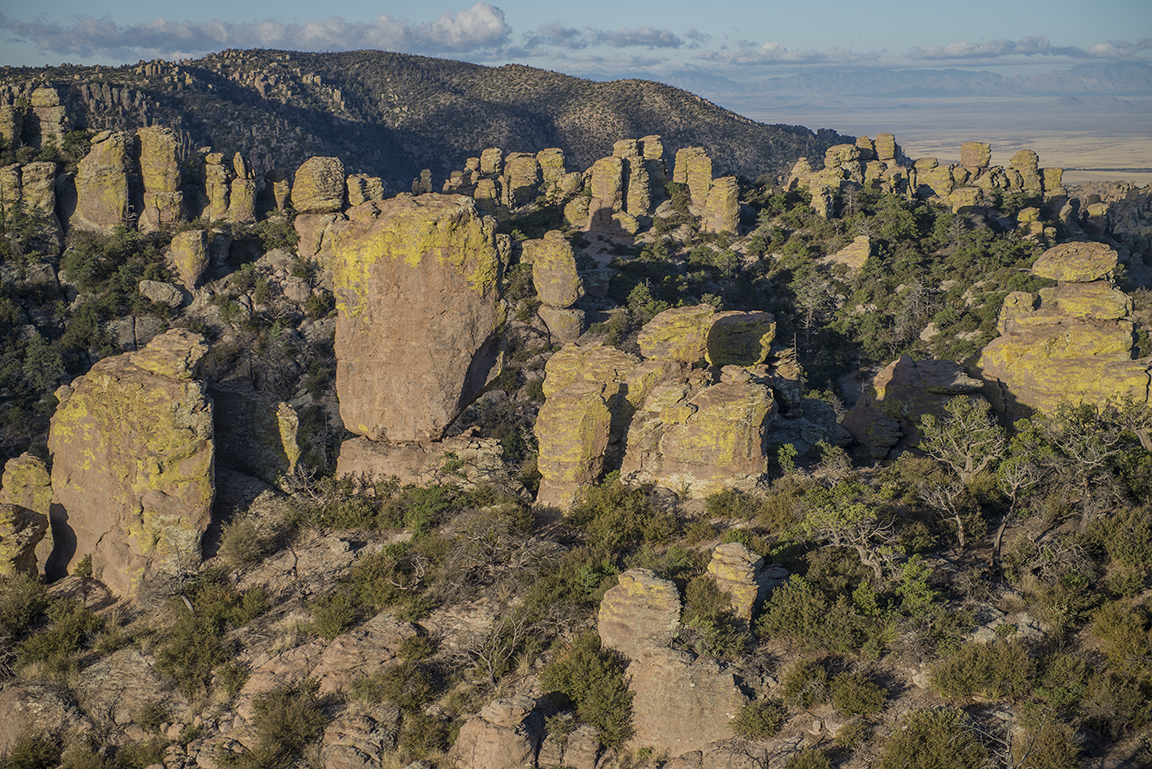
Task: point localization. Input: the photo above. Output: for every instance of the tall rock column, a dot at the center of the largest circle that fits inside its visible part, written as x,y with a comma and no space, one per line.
102,183
160,177
418,314
558,285
132,465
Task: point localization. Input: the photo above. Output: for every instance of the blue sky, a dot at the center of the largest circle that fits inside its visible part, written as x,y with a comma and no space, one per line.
742,40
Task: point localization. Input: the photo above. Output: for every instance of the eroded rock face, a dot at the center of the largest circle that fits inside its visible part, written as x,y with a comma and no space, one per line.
319,186
505,735
27,483
722,210
889,412
736,570
679,334
160,178
1076,262
572,429
416,281
480,460
740,338
641,613
21,530
189,255
690,434
254,433
102,183
132,471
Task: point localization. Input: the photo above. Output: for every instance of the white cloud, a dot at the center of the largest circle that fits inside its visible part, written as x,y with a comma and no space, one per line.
477,28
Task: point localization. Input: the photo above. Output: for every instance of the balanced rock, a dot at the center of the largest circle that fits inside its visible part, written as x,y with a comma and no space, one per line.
889,412
564,324
505,735
639,614
1076,262
554,270
189,256
21,530
416,283
694,169
362,188
319,186
521,179
26,482
218,177
740,338
679,334
102,183
736,570
132,468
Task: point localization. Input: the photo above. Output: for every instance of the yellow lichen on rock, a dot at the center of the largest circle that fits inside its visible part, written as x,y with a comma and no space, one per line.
21,530
573,429
740,338
679,334
26,482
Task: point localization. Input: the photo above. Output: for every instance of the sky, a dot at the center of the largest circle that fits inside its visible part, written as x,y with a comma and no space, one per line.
742,40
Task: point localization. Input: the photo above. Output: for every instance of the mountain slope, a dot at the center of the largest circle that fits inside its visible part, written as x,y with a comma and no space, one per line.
392,114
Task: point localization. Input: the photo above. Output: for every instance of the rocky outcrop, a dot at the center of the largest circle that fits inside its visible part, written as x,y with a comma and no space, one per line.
679,334
102,182
740,338
572,429
465,459
160,177
21,530
744,577
558,285
27,483
853,256
318,187
189,256
887,415
1072,343
679,702
504,735
722,209
132,464
694,169
416,281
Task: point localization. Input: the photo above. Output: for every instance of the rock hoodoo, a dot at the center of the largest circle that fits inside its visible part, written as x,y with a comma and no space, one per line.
1073,342
132,464
418,311
27,483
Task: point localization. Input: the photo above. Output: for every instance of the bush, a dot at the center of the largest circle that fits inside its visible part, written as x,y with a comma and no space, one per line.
809,758
286,720
29,752
616,516
934,739
592,678
854,695
73,624
22,603
243,543
805,684
996,670
406,684
707,610
795,611
758,720
332,615
1052,745
1125,630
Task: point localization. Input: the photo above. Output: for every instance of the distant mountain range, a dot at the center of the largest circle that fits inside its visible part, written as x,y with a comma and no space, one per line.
391,115
1127,78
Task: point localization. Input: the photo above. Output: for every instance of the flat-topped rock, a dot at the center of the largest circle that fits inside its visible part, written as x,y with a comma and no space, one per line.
1076,262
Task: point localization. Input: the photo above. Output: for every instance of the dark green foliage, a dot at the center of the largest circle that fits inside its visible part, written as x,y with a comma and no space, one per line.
332,615
1125,630
1001,669
286,720
808,758
853,694
72,625
22,603
592,679
29,752
934,739
707,611
758,720
805,684
617,516
406,684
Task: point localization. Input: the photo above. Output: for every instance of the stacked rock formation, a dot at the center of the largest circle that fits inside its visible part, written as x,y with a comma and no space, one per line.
160,178
887,415
33,187
21,530
661,420
1072,343
132,464
744,577
962,186
505,735
625,187
671,689
498,182
416,281
26,483
558,285
102,182
716,201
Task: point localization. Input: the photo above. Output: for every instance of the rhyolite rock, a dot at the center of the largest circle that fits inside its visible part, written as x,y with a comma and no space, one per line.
852,256
722,209
159,159
464,459
189,256
21,530
132,464
642,612
564,324
1076,262
740,338
504,735
362,188
679,334
554,270
694,168
701,437
736,570
254,433
889,412
572,430
26,482
102,179
416,282
975,154
318,187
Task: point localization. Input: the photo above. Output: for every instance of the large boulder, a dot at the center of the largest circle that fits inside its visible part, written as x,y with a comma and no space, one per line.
679,334
27,483
554,270
132,464
641,613
887,415
572,429
319,186
102,183
740,338
1076,262
700,437
722,209
21,530
189,256
505,735
463,459
416,282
